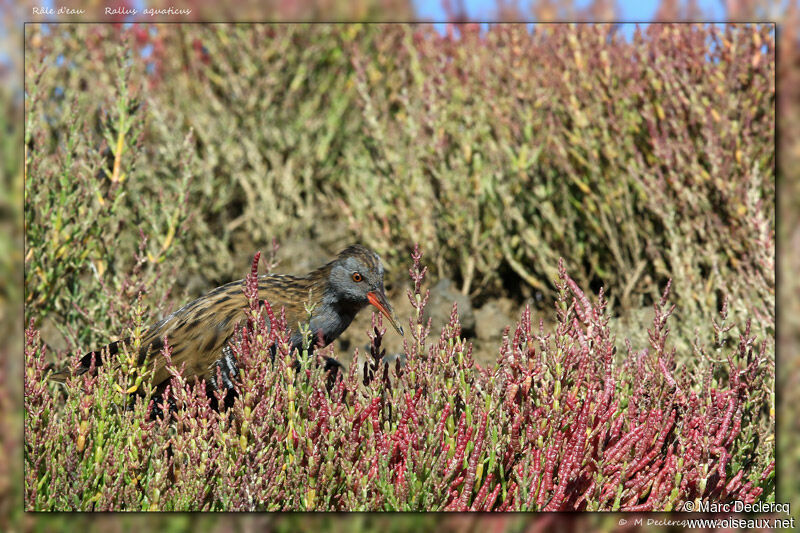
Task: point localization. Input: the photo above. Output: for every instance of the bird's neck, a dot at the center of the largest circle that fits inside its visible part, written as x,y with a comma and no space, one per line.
330,316
333,318
328,321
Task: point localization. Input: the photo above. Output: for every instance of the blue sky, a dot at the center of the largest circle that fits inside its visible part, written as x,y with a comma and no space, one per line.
632,10
635,10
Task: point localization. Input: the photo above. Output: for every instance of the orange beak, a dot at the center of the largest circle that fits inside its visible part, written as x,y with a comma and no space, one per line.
379,301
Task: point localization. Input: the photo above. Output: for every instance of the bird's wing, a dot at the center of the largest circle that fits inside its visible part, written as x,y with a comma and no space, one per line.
196,333
199,331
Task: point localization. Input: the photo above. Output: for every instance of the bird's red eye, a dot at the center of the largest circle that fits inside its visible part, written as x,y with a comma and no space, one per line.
357,277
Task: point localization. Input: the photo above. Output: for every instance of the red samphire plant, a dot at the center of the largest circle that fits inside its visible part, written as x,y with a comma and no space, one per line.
559,422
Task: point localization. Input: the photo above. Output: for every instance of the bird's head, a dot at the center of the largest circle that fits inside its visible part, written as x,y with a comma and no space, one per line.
356,278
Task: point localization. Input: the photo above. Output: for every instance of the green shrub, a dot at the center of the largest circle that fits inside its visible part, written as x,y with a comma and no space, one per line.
158,156
555,424
636,161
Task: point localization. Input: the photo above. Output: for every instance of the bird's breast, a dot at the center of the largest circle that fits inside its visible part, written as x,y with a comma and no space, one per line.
326,325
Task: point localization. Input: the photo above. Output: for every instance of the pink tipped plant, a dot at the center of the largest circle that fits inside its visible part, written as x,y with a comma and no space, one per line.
559,422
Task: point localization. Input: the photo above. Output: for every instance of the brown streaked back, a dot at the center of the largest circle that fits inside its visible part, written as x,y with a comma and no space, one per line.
198,331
